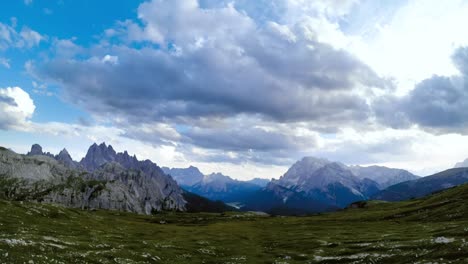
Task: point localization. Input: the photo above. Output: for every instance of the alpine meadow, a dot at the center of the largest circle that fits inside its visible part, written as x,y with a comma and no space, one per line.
233,131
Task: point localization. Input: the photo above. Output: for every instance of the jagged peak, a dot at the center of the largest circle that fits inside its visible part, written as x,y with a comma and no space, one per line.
64,152
36,149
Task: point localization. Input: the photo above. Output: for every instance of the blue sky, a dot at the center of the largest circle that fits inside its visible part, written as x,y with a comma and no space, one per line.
240,87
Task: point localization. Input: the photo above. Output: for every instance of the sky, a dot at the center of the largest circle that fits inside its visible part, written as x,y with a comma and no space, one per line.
241,87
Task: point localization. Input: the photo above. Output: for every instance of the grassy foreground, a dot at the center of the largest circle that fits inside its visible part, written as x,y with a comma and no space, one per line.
430,230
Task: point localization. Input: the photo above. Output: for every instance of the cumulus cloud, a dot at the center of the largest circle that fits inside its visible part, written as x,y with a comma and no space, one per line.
437,104
16,108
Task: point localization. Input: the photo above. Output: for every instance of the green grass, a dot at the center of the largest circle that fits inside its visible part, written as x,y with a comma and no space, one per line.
434,229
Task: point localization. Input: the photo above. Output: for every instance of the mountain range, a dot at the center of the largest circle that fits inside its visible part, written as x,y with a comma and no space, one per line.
310,185
316,185
107,179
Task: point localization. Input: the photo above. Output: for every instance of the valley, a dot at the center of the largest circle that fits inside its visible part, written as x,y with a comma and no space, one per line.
429,230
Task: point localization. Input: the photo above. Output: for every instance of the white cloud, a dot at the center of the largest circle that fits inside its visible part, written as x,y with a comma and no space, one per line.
28,2
11,38
416,42
16,108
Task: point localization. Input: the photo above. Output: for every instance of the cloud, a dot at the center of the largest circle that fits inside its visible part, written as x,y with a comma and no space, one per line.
16,108
11,38
28,2
5,62
216,62
437,104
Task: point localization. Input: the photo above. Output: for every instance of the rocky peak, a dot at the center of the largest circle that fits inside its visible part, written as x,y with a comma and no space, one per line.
97,156
65,158
305,166
36,149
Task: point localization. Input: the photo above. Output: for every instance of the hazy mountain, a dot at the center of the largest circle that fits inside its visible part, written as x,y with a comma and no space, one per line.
384,176
217,186
424,186
259,181
185,177
317,185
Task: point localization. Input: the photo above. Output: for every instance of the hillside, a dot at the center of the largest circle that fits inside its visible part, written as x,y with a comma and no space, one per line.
427,230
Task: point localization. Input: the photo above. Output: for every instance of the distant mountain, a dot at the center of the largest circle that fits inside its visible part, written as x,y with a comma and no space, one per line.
217,186
384,176
185,177
424,186
316,185
259,181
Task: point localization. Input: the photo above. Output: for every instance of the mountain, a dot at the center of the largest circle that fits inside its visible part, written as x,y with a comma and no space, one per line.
424,186
142,189
384,176
315,185
36,150
259,181
65,158
217,186
185,177
99,155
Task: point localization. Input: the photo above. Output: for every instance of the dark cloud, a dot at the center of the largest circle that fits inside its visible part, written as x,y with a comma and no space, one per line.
437,104
219,63
356,152
253,139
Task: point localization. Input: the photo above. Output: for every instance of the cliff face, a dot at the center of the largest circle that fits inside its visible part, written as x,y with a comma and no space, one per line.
143,188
